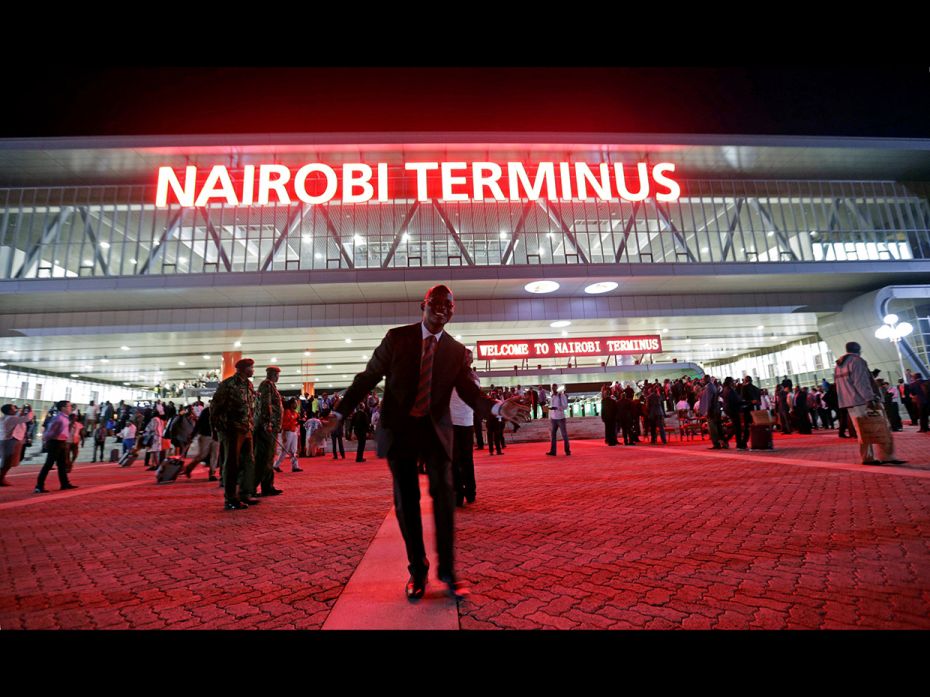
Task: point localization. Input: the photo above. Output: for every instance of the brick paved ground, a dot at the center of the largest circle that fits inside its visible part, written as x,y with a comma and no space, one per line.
167,556
653,537
645,537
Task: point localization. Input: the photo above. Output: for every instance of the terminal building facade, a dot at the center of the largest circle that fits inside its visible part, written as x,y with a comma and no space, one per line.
131,262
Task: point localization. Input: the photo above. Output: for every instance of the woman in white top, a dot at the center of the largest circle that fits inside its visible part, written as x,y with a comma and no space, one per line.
155,430
765,402
128,434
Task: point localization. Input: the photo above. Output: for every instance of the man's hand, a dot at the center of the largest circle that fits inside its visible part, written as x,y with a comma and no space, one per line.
515,410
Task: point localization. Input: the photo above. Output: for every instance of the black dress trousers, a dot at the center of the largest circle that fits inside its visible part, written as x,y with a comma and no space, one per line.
419,441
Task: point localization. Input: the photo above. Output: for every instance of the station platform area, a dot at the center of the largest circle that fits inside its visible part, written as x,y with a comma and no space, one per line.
644,537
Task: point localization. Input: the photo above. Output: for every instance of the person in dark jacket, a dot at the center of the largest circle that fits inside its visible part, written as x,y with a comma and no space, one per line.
733,406
655,414
802,419
609,416
919,392
336,435
752,398
360,424
625,418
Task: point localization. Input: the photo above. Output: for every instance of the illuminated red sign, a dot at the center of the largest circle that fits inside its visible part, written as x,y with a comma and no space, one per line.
560,348
317,183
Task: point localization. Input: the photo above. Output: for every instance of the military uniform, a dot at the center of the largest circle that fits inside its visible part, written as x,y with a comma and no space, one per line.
270,412
232,417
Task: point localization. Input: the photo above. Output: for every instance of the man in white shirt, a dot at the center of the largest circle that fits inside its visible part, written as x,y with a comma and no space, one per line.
56,437
463,420
12,432
558,403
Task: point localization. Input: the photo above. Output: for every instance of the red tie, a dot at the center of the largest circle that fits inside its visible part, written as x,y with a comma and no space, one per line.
421,405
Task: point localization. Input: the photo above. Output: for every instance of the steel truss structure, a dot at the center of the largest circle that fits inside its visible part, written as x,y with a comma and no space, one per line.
116,231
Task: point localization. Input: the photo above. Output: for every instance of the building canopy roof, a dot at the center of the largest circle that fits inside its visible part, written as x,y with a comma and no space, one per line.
135,159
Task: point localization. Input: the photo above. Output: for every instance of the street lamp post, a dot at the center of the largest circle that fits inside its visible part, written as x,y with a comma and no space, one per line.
894,332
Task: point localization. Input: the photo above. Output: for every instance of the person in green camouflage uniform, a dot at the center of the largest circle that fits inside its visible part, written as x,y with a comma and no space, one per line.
232,417
267,430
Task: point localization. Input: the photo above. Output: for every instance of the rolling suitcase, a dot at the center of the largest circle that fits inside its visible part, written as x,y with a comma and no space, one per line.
760,437
114,455
128,457
168,470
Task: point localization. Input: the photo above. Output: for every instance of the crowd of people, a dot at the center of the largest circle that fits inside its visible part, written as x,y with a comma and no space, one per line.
724,407
630,413
428,417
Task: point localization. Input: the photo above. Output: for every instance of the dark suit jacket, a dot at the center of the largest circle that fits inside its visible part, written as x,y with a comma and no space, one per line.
398,360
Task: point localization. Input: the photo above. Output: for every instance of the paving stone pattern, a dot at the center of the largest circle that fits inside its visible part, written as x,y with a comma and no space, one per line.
167,556
609,538
661,538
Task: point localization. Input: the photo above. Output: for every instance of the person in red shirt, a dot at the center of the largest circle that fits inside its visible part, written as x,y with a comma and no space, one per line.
289,435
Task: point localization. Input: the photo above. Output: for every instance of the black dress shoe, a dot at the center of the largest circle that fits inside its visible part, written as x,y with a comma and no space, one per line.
457,590
470,499
211,478
272,492
894,462
69,486
551,454
415,588
234,506
39,490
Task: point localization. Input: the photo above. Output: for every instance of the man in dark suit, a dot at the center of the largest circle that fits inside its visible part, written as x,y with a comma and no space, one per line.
422,364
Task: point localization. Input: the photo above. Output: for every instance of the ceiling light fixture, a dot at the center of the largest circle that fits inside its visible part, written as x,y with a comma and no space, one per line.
541,287
602,287
560,323
124,348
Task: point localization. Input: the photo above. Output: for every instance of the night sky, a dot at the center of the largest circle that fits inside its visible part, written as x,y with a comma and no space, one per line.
884,101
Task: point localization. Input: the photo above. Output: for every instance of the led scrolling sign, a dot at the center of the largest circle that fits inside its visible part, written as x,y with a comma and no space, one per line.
318,183
561,348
